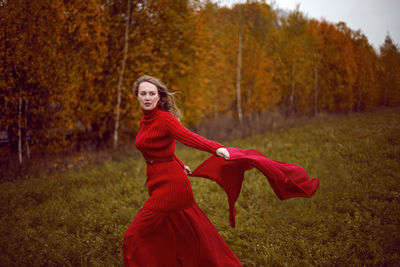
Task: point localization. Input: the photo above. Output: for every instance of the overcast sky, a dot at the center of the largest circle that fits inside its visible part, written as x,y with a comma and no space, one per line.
375,18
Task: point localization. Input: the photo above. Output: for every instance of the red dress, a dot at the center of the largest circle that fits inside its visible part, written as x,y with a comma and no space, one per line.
170,229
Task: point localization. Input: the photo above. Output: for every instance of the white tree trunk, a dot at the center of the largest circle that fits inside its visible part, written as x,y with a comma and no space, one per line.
360,96
291,98
249,89
315,84
385,96
20,130
121,75
238,77
28,150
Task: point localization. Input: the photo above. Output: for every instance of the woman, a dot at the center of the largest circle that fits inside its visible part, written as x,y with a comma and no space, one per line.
170,229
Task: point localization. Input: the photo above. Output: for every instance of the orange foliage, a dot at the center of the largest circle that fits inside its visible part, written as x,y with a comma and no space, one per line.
63,58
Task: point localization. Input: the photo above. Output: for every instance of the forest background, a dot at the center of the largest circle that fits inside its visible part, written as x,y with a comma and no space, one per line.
68,67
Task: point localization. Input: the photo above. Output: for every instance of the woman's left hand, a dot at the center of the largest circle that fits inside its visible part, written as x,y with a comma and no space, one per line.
222,152
187,170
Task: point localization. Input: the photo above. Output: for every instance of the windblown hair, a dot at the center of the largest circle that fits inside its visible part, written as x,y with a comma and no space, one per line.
167,98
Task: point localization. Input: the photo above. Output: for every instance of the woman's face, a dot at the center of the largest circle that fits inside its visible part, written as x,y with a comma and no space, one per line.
148,95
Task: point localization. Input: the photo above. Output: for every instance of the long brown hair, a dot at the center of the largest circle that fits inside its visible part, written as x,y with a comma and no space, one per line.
167,98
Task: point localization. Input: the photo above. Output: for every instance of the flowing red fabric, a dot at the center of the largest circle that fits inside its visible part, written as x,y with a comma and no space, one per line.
176,238
287,180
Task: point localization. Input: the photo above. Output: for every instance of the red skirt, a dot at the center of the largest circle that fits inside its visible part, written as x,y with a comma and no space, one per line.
175,238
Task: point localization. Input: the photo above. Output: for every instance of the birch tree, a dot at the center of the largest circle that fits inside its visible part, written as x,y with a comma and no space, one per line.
239,72
121,75
20,128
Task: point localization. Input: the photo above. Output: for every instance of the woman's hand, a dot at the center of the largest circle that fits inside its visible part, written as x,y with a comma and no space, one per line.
222,152
187,170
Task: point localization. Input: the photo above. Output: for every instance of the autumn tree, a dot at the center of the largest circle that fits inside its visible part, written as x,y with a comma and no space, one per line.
366,87
259,91
295,64
221,63
242,35
122,71
61,77
389,59
338,66
316,53
31,71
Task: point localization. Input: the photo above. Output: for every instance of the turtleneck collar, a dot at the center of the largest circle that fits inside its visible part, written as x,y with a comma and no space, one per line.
148,114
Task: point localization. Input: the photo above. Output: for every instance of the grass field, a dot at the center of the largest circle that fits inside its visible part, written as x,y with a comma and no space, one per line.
78,217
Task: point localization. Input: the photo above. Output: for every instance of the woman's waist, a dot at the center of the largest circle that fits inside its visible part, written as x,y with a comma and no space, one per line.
168,183
166,170
158,155
169,195
157,160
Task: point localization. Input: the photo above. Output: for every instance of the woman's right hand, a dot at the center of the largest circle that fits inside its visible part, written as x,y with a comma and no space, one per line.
222,152
187,170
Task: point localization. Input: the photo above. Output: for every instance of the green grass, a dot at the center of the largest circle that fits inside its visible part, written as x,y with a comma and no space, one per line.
78,217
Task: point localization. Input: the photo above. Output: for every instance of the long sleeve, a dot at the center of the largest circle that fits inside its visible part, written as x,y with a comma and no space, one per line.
186,137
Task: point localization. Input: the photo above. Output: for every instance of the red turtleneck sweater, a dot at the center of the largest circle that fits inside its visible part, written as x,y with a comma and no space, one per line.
169,188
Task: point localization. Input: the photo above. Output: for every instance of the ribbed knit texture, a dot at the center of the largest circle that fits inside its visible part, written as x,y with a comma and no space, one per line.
169,188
